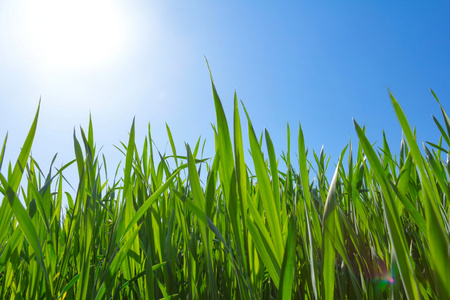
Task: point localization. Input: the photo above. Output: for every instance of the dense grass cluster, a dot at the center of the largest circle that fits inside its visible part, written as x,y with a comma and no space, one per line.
378,229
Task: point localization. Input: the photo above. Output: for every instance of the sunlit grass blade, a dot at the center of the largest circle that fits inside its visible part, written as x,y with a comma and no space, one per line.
267,198
265,251
223,134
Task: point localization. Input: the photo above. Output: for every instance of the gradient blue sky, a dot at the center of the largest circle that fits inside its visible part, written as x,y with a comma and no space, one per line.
320,63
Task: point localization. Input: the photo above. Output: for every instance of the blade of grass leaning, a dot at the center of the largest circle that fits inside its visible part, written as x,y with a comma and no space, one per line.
268,257
438,239
264,244
443,133
444,114
223,134
68,286
396,232
267,198
436,170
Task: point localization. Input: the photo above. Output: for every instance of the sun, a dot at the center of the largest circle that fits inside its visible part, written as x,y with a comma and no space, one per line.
72,35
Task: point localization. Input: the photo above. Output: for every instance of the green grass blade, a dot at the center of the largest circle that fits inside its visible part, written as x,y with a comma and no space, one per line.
68,286
287,268
223,134
443,133
199,198
195,180
264,250
304,178
270,208
273,170
150,201
129,160
172,144
25,223
444,114
396,232
16,176
241,176
2,154
438,239
116,262
329,232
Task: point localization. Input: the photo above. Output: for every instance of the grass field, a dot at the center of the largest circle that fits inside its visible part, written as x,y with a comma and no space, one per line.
378,229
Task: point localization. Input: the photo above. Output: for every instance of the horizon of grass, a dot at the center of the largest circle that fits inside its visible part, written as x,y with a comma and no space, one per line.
379,229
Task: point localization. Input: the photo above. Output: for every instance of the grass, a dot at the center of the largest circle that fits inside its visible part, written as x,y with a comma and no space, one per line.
379,229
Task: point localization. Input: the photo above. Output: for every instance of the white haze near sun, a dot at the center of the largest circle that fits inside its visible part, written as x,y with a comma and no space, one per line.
66,49
71,35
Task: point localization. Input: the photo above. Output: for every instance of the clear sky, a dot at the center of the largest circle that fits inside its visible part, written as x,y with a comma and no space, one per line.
320,63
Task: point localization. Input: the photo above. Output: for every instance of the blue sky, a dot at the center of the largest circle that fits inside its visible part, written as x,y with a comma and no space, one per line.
320,64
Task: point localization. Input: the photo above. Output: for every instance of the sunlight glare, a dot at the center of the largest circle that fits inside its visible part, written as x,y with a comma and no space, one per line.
73,35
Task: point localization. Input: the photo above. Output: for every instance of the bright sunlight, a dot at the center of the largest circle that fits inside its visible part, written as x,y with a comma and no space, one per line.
73,35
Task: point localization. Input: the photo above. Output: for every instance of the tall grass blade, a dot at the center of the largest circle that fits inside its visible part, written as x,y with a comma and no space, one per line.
329,233
396,232
438,239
